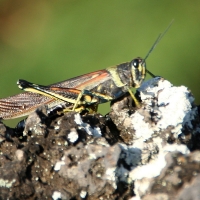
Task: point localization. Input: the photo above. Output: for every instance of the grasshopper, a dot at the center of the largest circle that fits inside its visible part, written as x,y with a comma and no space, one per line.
79,93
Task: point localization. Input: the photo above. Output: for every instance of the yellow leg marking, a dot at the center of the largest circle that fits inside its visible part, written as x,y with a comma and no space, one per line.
79,109
137,103
77,100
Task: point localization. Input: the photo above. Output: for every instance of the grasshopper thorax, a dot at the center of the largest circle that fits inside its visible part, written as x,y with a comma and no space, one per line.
138,71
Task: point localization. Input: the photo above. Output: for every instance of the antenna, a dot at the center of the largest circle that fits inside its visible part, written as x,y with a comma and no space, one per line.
160,36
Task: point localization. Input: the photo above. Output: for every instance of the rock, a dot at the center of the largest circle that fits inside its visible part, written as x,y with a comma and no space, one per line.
148,153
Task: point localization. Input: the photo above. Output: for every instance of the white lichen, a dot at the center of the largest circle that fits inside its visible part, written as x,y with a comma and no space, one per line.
96,132
19,154
174,107
110,175
58,165
83,194
6,183
73,135
142,129
56,195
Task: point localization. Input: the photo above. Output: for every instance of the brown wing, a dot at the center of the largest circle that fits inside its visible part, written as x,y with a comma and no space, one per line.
85,81
25,103
21,104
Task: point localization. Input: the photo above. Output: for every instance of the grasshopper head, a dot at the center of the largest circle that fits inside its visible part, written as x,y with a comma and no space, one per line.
138,65
138,71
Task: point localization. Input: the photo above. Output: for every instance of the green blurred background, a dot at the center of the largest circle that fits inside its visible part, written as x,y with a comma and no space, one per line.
50,41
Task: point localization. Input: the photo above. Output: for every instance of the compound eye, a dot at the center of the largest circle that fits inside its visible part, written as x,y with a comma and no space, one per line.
135,63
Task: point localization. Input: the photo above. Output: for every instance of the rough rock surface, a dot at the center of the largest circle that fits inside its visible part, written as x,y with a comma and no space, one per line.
147,153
